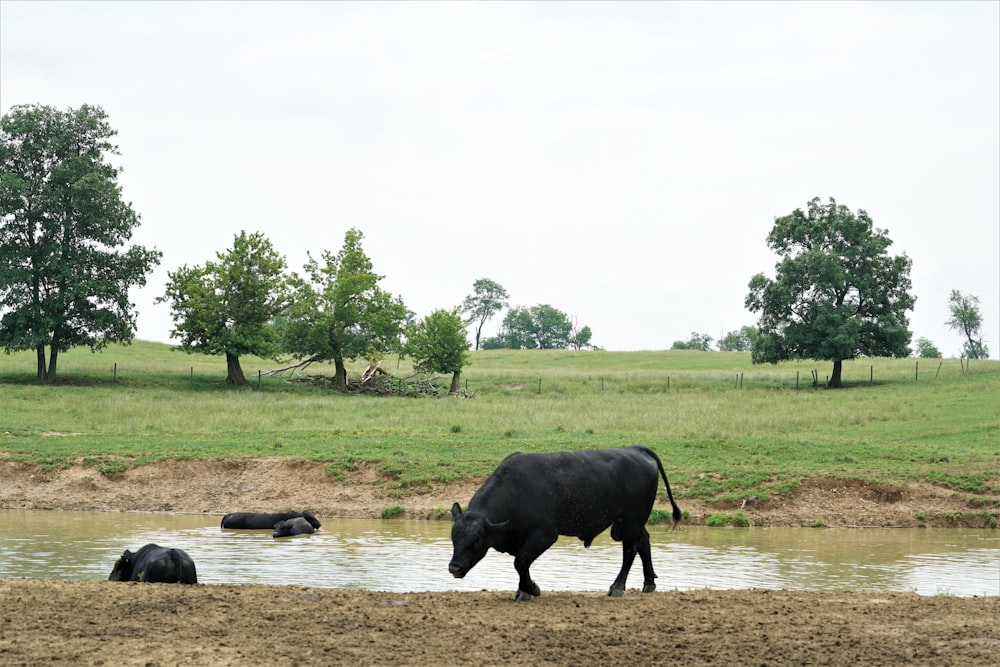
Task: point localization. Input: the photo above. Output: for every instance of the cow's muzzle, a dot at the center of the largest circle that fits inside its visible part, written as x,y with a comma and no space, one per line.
456,570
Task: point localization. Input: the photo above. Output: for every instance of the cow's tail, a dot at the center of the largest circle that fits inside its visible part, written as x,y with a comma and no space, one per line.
663,474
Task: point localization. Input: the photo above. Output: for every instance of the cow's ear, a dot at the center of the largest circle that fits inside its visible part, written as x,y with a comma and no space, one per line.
456,511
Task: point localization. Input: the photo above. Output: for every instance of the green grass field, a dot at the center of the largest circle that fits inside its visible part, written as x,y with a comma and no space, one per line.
723,427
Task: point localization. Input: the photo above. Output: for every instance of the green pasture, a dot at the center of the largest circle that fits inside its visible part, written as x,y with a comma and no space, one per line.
724,428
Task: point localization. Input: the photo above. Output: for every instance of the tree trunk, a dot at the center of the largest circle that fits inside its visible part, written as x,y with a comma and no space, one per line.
40,354
455,382
50,376
835,382
340,373
234,371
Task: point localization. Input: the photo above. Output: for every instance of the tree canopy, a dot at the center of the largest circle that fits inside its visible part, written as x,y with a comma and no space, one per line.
64,277
229,306
967,319
837,293
439,344
738,341
538,327
697,341
339,312
487,299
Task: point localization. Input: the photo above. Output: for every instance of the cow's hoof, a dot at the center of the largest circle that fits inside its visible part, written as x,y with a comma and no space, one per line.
521,596
616,592
648,588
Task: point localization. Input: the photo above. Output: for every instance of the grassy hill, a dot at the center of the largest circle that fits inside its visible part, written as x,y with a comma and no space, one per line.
723,427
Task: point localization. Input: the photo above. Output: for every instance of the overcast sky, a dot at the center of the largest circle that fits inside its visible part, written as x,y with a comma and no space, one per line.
622,162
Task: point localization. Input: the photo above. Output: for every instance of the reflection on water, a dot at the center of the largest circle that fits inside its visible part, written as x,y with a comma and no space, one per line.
413,555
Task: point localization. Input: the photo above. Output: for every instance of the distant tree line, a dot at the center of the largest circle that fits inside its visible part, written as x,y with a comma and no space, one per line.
66,268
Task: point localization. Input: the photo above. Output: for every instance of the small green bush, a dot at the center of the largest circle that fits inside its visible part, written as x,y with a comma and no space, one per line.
392,512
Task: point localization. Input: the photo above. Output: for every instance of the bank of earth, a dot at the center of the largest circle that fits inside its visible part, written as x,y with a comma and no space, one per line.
217,486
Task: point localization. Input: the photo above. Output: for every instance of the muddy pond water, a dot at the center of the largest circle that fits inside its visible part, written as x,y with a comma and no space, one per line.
411,556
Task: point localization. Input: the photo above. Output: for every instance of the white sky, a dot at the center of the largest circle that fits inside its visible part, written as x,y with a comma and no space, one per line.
622,162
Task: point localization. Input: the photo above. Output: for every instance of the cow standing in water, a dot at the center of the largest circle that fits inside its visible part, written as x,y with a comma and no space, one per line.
264,520
155,564
532,499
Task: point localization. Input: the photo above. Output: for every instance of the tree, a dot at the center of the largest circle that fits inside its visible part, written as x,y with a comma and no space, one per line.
339,312
836,294
700,342
488,299
738,341
539,327
967,319
580,338
64,281
439,344
229,307
926,349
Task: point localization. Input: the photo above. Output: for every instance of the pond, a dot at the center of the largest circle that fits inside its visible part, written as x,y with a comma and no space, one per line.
411,556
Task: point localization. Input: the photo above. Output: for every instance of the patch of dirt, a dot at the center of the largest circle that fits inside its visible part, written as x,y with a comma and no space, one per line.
99,623
102,623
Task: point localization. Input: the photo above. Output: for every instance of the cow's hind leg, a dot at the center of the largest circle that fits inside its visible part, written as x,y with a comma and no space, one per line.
532,548
635,540
648,575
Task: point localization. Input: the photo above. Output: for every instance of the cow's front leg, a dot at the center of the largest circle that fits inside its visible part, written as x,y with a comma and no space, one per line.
533,547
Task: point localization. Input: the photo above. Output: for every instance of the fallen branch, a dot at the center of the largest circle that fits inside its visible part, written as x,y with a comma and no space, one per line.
299,366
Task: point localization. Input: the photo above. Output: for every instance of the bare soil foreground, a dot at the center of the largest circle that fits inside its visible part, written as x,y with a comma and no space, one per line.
105,623
100,623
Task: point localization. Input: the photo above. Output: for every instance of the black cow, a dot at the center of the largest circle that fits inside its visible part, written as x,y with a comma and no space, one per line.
155,564
263,521
531,499
290,527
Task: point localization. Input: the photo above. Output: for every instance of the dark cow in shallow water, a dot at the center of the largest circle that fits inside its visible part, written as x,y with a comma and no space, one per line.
291,527
264,521
531,499
155,564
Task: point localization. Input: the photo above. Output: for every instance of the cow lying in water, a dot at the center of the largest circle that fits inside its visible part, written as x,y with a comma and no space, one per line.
155,564
290,527
264,521
531,499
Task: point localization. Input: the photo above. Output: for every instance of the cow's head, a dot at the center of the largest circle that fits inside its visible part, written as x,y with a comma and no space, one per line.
122,571
311,518
472,535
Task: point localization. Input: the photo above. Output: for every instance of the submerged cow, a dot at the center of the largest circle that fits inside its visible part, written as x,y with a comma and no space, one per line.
290,527
263,520
155,564
531,499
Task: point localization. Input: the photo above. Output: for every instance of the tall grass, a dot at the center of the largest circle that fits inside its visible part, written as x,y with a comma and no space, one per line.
724,427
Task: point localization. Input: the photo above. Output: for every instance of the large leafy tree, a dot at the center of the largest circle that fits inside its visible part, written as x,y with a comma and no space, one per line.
439,344
836,294
339,312
697,341
229,306
738,341
538,327
487,299
64,271
967,319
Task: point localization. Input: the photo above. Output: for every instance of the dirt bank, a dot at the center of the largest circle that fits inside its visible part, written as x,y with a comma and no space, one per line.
100,623
276,484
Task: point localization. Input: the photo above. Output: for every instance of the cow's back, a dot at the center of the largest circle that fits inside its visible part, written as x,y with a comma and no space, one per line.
158,564
575,493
